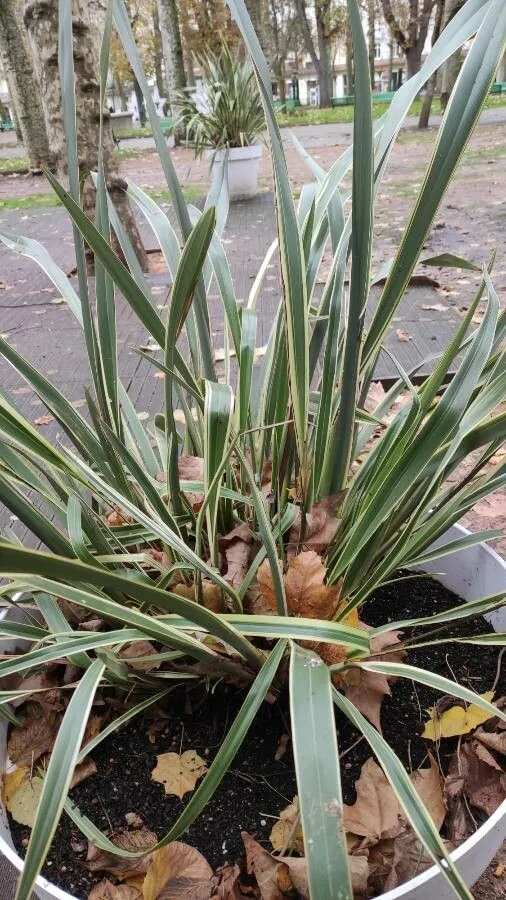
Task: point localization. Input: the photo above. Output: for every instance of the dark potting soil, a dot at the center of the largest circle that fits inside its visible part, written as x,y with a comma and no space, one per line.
257,787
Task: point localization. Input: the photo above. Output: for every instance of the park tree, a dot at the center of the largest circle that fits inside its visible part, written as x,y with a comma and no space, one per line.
371,38
452,66
430,87
172,52
24,92
284,37
158,60
409,21
88,16
205,24
330,19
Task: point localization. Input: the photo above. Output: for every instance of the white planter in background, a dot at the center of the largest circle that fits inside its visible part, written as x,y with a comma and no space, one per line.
471,574
243,169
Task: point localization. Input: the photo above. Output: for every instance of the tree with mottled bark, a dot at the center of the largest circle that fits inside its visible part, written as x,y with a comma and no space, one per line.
371,38
23,89
158,52
430,87
411,33
88,17
453,65
173,55
330,24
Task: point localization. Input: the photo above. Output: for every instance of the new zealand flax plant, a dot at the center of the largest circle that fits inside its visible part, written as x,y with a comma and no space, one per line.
279,463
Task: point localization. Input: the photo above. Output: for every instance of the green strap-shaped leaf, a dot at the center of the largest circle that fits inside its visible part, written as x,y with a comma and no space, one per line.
58,778
318,776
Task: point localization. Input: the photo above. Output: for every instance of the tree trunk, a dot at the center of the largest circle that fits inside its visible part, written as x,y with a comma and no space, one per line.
141,106
258,15
390,64
430,88
173,55
452,65
121,94
325,61
160,83
24,92
41,20
281,87
371,38
413,59
350,74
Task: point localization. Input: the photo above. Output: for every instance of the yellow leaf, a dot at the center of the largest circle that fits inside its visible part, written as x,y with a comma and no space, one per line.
287,832
178,871
23,804
12,781
456,720
179,774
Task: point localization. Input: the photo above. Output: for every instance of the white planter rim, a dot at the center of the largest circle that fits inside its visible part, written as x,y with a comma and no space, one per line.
250,151
410,887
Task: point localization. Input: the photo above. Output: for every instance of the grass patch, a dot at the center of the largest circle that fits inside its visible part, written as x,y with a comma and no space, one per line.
38,201
13,164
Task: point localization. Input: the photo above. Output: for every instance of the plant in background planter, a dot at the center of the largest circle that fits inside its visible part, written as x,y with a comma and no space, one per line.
226,118
248,559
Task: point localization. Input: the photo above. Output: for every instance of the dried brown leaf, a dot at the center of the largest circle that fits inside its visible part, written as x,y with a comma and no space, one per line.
321,526
265,601
375,396
106,890
403,335
429,786
376,814
306,593
123,868
212,595
281,748
368,690
394,861
494,740
82,772
29,741
191,468
178,872
436,307
481,780
236,547
139,648
179,773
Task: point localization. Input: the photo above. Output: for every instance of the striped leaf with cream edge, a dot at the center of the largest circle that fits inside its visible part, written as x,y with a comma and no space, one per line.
269,447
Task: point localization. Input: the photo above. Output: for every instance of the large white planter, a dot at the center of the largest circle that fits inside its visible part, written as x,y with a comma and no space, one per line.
243,168
471,574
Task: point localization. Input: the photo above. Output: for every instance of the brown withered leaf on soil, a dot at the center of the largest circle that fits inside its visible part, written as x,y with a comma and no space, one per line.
428,784
403,335
179,773
281,748
93,727
227,884
29,741
367,691
129,652
118,517
236,548
394,861
286,833
106,890
321,526
212,595
178,872
50,697
376,814
191,468
265,601
82,772
306,593
477,777
123,868
285,876
493,740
